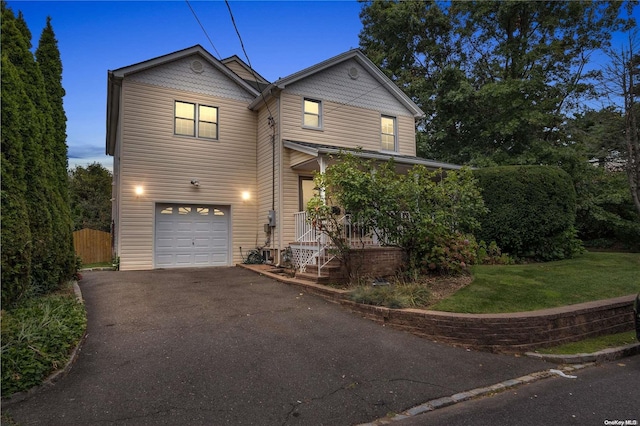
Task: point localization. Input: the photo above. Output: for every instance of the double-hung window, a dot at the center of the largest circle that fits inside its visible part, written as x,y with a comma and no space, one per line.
312,115
196,120
388,133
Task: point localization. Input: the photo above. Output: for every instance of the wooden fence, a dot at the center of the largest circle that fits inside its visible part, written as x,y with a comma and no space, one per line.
92,246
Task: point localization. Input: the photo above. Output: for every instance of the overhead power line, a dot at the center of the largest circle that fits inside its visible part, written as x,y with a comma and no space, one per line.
203,30
233,21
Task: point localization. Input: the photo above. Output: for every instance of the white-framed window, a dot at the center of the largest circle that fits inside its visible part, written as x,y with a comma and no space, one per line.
388,133
200,121
312,113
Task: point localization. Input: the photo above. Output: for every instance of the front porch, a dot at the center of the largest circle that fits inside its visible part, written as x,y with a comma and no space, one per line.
314,257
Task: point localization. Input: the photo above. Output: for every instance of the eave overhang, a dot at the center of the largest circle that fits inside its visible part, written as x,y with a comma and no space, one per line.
327,150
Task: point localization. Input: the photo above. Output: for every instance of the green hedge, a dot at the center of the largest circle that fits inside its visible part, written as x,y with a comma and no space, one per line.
532,211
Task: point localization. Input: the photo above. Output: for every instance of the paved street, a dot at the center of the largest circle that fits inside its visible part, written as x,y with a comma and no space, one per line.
608,392
226,346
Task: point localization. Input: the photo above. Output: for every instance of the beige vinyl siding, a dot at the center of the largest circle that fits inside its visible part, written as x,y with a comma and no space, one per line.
299,157
344,126
406,135
241,71
264,170
164,164
290,201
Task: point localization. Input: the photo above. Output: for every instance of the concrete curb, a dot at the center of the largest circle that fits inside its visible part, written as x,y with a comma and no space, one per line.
446,401
604,355
58,374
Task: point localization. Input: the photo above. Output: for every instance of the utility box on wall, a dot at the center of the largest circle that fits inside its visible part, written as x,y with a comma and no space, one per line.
271,218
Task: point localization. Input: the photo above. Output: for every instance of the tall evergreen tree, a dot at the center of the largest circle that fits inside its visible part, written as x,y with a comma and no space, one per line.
16,235
50,64
33,190
38,169
15,50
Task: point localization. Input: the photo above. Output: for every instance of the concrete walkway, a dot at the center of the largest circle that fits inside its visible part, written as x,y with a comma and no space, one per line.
226,346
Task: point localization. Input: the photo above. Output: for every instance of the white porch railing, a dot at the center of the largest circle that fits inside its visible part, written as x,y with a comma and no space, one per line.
313,246
306,232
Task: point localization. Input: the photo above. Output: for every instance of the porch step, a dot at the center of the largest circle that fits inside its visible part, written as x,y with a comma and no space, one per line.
330,268
312,277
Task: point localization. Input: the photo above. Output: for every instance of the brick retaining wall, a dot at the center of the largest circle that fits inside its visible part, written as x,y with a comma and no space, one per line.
511,332
514,332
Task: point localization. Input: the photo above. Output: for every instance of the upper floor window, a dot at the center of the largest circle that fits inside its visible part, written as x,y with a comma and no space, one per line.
312,116
388,133
196,120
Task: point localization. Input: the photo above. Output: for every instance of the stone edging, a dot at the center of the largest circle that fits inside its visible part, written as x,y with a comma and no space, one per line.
446,401
510,332
604,355
58,374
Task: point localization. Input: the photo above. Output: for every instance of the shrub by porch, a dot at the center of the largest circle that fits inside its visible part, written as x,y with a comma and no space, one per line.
428,215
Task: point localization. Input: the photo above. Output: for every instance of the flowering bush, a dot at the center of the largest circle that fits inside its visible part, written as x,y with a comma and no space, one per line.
450,253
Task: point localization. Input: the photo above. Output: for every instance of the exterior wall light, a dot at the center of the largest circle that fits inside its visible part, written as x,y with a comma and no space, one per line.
139,190
246,196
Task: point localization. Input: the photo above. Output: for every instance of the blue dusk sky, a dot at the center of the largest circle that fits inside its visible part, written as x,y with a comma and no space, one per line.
281,37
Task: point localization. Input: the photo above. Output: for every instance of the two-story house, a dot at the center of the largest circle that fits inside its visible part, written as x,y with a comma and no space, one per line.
210,158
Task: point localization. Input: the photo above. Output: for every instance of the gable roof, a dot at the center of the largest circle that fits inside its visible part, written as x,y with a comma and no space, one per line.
358,56
114,83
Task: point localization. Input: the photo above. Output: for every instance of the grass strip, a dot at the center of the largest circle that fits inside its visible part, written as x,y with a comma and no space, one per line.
592,345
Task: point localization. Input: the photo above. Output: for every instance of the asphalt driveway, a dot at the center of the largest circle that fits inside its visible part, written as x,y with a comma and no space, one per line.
226,346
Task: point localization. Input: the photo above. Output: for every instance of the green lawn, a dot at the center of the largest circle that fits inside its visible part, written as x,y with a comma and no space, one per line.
517,288
592,345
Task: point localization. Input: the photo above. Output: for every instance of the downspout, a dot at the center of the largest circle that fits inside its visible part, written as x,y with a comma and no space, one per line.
280,192
271,123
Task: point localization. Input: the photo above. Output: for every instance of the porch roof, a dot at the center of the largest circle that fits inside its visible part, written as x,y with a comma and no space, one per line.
318,150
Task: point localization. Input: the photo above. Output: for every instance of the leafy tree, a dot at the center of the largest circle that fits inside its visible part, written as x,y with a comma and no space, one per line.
90,190
427,214
624,81
600,133
607,217
591,154
494,77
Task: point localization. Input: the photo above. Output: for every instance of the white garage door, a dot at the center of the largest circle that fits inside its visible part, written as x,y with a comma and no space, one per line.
191,235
